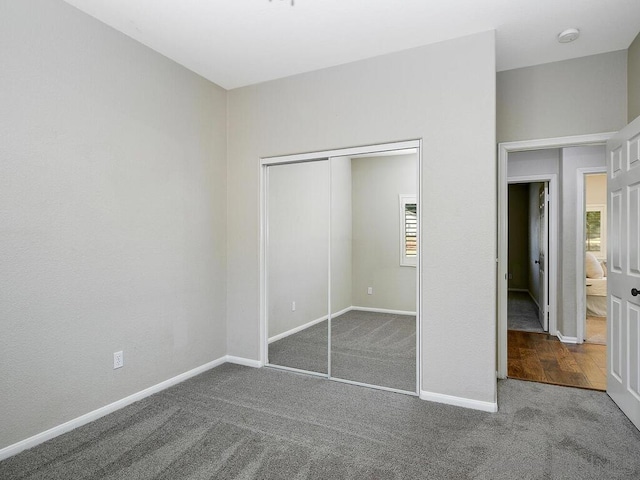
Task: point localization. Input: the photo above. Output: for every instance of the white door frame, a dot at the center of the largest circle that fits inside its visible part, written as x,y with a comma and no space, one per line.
581,288
552,235
504,149
374,149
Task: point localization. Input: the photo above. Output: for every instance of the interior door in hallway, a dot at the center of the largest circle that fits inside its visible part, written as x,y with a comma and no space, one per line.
543,256
623,186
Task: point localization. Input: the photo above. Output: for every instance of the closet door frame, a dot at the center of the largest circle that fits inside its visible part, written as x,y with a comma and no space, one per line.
265,163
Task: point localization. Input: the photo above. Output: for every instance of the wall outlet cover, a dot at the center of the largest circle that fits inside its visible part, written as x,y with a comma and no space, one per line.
118,359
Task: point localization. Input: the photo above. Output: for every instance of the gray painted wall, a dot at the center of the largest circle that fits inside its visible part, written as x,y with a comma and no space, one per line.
443,93
533,162
377,184
572,159
572,97
633,80
112,215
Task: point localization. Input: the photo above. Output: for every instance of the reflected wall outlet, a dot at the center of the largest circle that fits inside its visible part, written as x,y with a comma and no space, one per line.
118,360
369,290
293,306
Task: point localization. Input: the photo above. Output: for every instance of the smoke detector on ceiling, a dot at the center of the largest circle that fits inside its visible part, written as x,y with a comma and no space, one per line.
569,35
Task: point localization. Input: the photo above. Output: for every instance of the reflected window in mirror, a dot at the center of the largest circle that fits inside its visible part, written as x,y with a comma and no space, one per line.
408,230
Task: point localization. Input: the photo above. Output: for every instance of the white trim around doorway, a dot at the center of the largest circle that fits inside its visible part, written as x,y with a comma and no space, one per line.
503,153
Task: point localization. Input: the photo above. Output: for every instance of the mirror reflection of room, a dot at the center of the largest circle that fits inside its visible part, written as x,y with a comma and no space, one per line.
297,265
373,269
341,263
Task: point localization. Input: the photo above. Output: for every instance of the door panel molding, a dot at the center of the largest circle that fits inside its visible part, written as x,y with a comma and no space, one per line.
623,362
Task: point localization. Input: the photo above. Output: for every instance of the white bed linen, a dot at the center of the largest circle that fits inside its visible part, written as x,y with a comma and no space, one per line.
596,297
597,287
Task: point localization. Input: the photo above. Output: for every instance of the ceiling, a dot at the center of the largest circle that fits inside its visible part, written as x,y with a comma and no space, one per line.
240,42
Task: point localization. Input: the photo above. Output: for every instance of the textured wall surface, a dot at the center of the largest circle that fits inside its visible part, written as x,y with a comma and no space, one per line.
112,217
572,97
445,95
633,80
572,159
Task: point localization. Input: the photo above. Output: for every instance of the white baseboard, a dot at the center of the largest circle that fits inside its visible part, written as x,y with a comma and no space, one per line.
342,312
459,401
280,336
383,310
247,362
564,339
534,300
117,405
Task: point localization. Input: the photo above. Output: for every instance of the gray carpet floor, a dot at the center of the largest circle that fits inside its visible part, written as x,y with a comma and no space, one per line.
235,422
366,347
522,313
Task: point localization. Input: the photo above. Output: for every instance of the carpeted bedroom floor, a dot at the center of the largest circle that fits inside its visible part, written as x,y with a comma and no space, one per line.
236,422
366,347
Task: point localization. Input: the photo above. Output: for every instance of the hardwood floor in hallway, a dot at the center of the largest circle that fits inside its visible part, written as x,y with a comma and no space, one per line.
543,358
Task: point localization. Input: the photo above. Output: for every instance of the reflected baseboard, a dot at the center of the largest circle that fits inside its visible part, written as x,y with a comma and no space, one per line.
383,310
280,336
304,326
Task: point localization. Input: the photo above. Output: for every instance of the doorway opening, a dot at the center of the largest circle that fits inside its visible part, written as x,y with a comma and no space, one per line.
552,354
528,279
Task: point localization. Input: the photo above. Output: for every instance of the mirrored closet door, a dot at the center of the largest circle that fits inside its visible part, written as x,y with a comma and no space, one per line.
297,292
373,269
341,267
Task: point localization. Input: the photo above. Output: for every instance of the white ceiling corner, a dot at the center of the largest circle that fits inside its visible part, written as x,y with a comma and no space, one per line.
240,42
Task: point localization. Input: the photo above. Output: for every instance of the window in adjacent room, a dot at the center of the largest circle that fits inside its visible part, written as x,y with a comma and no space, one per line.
595,222
408,230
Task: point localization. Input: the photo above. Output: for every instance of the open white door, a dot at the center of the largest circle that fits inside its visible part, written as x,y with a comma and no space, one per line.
623,260
543,256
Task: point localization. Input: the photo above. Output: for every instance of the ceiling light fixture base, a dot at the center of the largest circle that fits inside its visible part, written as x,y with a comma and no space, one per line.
568,35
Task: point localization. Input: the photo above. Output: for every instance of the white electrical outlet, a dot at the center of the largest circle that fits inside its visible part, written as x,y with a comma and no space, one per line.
369,290
118,359
293,306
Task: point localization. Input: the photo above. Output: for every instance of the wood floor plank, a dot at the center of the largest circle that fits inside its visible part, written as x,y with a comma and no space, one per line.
591,370
543,358
516,369
567,361
531,365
